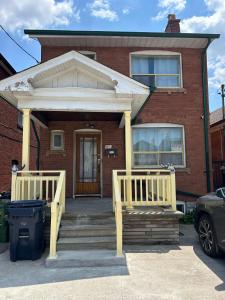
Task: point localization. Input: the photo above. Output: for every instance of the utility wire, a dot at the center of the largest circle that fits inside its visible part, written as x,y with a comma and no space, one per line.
18,44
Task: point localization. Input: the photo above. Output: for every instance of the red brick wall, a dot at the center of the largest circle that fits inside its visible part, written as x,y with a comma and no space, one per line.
181,107
10,140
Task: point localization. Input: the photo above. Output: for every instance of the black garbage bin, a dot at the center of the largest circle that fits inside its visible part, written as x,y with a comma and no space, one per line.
26,229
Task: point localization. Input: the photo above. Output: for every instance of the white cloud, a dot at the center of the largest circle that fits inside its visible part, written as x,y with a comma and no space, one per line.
101,9
169,6
16,15
126,11
214,22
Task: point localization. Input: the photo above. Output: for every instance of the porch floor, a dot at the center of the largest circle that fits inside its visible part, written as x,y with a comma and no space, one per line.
89,205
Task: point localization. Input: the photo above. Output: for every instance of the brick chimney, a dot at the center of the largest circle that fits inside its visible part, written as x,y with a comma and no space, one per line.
173,24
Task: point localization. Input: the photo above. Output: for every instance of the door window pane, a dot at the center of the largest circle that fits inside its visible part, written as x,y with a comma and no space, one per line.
88,159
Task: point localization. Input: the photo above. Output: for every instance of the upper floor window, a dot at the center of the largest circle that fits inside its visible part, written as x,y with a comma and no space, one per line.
157,144
157,70
90,54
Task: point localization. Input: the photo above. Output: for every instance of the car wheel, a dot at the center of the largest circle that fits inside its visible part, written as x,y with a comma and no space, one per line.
207,236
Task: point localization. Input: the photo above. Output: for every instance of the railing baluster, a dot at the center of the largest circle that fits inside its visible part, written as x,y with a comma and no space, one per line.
141,192
146,189
124,190
35,188
46,191
152,183
135,190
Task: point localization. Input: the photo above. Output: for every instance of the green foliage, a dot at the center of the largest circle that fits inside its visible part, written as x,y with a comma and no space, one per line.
188,218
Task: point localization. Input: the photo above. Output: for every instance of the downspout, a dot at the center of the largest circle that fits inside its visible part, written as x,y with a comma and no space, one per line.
206,115
38,144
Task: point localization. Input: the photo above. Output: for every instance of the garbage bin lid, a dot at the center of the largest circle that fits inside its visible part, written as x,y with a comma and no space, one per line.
26,203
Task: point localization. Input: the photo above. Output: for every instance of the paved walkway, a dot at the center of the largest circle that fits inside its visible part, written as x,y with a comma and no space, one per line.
153,272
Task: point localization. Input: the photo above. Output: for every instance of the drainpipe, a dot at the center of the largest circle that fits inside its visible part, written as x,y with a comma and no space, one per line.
38,144
206,115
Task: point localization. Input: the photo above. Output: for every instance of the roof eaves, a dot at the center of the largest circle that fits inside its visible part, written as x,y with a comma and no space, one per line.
35,32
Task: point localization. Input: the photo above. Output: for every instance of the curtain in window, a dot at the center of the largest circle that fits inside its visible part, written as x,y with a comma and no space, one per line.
156,65
156,146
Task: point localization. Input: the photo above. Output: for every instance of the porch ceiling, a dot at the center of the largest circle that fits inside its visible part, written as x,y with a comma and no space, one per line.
48,116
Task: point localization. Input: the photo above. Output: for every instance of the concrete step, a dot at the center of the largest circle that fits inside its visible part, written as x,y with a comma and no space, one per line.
86,243
88,221
87,230
72,215
91,258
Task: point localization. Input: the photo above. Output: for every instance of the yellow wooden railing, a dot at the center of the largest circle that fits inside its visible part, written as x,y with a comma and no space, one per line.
117,207
147,187
44,185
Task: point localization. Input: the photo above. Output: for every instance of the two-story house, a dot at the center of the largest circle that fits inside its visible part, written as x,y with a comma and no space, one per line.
128,101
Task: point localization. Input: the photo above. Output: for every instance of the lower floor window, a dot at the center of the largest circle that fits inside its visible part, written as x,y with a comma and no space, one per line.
57,140
158,144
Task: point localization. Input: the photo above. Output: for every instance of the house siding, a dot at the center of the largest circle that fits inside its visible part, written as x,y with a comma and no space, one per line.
184,107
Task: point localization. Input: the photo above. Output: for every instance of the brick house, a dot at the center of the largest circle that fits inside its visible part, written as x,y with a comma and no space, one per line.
217,134
125,101
10,133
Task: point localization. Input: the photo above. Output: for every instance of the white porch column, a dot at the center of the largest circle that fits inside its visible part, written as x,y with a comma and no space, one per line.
128,147
26,139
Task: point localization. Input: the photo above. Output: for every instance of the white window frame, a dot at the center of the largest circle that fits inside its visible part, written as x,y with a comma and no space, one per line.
58,132
152,53
87,52
159,125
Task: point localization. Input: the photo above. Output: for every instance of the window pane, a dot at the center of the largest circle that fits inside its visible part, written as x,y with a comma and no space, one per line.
167,81
145,159
171,158
142,65
147,80
88,159
158,140
166,65
170,139
145,139
57,142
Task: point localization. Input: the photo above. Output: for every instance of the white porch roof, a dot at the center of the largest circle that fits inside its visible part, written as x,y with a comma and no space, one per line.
74,82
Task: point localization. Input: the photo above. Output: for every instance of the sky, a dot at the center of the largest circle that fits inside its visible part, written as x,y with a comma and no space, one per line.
202,16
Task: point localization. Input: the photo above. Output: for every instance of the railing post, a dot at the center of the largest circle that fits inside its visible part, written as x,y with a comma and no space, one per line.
113,192
26,139
173,191
64,192
13,186
127,115
119,230
53,231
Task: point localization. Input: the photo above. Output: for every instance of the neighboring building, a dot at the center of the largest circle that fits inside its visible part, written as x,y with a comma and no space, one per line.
10,132
217,133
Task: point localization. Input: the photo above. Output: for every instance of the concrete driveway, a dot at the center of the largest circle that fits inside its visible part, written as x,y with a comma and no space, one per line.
153,272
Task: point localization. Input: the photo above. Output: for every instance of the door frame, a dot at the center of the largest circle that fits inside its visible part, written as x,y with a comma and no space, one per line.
88,131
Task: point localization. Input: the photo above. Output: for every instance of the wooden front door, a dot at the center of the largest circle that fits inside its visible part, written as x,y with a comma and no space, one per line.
88,164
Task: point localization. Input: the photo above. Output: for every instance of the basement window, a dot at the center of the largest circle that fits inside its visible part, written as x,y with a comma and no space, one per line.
155,145
57,140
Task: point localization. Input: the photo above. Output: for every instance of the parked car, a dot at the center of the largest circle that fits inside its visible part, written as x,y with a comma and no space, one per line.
210,222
